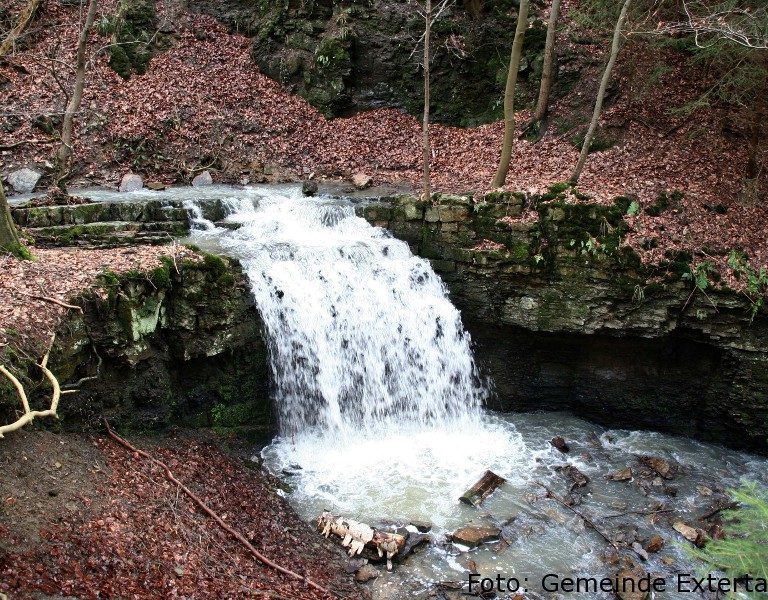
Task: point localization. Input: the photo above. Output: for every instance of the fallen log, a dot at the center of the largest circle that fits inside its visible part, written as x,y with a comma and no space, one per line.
356,536
485,486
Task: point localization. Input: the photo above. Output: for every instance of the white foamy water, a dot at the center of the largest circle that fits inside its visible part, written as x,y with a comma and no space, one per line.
363,338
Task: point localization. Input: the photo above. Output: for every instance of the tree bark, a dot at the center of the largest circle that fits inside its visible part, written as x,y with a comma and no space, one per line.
65,150
615,46
547,73
24,20
759,113
426,146
509,96
9,237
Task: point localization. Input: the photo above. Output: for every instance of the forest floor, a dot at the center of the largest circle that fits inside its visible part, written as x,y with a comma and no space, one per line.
81,516
173,122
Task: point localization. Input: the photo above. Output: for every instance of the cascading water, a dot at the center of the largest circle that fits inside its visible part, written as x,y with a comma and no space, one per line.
362,335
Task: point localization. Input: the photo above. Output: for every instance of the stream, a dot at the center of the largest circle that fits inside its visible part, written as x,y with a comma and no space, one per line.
381,417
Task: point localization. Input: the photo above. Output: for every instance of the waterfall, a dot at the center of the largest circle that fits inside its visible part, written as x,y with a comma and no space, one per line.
361,332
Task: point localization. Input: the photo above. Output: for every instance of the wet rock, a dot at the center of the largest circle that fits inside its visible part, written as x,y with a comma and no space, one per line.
355,564
620,475
413,542
309,188
202,179
474,536
629,581
654,544
131,182
156,186
704,490
422,526
577,477
366,573
639,550
659,466
362,181
560,443
24,181
698,537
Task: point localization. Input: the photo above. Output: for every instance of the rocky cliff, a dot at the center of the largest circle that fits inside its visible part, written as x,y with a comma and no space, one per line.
566,318
179,345
345,56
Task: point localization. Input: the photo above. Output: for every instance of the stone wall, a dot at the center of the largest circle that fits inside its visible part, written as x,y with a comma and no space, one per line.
564,317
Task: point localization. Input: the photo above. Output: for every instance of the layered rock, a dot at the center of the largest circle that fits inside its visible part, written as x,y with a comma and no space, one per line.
181,344
566,318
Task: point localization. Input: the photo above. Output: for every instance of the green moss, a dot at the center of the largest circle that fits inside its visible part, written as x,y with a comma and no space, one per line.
133,28
664,202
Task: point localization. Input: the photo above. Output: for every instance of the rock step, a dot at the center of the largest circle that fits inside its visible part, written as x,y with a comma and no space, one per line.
109,233
141,211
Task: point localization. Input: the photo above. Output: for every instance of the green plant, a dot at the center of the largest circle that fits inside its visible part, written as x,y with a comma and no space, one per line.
744,549
756,281
634,208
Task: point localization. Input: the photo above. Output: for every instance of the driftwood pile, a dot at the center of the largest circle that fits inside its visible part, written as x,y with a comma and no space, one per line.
357,536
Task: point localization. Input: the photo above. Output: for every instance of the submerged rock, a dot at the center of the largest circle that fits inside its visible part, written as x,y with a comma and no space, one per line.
659,465
654,544
577,477
620,475
474,536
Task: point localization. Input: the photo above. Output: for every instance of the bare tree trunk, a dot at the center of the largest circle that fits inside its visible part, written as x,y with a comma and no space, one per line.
615,46
759,113
9,237
426,147
65,150
509,96
24,20
549,65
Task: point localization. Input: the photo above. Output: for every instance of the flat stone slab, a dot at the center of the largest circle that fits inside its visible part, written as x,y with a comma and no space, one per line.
474,536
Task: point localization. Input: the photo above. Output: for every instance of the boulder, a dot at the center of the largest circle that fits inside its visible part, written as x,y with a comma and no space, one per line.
131,182
156,186
474,536
654,544
202,179
560,443
362,181
620,475
309,188
23,181
366,573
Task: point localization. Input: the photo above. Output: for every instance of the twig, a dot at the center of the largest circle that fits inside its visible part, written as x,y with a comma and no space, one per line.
55,301
204,507
553,496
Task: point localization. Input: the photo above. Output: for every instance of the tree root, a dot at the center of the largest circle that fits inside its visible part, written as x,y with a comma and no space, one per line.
29,414
204,507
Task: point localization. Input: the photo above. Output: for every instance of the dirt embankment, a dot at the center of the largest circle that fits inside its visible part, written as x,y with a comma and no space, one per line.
81,516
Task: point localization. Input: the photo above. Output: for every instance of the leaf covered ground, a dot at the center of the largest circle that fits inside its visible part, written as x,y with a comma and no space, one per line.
203,103
83,517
